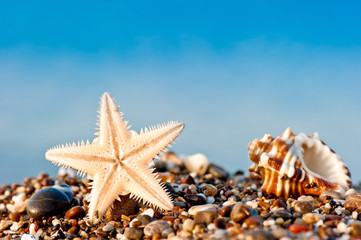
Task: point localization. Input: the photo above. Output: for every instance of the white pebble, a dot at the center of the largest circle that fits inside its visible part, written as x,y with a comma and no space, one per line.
149,212
15,226
32,228
327,206
341,227
269,222
210,199
354,215
108,227
338,210
252,204
197,163
56,222
29,237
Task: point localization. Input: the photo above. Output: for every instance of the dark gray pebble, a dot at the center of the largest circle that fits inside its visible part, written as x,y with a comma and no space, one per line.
195,199
48,202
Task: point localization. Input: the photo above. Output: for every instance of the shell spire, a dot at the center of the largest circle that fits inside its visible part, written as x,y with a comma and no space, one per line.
297,165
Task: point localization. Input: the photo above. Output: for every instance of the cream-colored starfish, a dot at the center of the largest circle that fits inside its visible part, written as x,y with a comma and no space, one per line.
119,160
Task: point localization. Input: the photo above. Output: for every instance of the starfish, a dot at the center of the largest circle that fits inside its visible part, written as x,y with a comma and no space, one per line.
119,160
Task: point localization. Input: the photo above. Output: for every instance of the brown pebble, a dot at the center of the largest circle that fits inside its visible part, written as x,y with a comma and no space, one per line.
226,211
279,204
264,205
220,223
209,189
195,199
302,206
75,212
240,212
166,177
258,235
14,216
311,218
353,202
188,179
205,217
254,221
169,219
355,229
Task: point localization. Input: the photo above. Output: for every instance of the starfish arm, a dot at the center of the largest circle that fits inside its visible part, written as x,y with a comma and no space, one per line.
113,129
148,144
106,187
84,157
144,185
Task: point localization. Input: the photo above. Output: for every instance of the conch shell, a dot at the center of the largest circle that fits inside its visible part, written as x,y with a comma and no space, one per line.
297,165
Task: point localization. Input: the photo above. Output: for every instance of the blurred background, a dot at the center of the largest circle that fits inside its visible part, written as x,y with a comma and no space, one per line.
230,71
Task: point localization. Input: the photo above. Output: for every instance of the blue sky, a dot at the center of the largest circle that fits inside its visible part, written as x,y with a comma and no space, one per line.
231,72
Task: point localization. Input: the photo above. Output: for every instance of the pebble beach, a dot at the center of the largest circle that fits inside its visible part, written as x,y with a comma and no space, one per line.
209,203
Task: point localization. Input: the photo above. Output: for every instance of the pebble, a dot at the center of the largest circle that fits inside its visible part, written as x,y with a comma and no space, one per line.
278,203
226,211
353,202
240,212
218,172
254,221
355,229
188,225
75,212
205,217
195,199
108,227
329,193
258,235
209,189
133,233
311,218
47,202
197,163
171,157
302,206
298,228
65,189
149,212
155,227
283,214
206,207
188,179
166,177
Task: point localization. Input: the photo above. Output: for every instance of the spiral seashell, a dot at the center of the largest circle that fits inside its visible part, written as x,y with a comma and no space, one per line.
294,165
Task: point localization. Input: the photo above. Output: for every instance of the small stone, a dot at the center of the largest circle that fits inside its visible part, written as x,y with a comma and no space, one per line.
206,207
254,221
188,225
311,218
108,227
302,206
353,202
149,212
341,227
47,202
188,179
166,177
167,232
14,216
226,211
195,199
258,235
197,163
298,228
161,166
278,203
75,212
218,172
240,212
156,227
283,214
279,232
335,195
210,200
355,229
209,189
205,217
145,219
220,223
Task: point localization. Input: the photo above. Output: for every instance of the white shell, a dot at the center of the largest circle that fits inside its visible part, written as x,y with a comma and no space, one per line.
197,163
